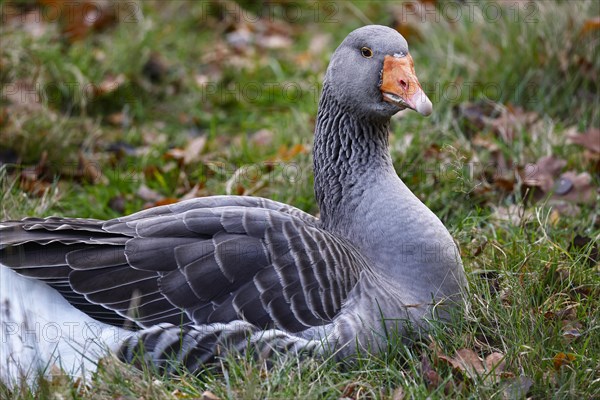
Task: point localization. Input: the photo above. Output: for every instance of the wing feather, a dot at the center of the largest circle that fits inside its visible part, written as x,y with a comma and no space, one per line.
202,261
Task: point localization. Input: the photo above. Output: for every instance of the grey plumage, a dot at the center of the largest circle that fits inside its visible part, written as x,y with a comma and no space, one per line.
203,276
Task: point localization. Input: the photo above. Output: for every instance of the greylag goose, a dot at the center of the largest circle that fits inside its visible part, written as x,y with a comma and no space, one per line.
186,281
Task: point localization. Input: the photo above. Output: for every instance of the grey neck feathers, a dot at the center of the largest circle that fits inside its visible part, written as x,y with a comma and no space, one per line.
348,153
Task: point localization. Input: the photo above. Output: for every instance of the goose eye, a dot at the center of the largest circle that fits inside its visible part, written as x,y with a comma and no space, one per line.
366,52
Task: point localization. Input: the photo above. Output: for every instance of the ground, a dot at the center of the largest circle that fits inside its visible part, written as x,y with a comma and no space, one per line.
111,107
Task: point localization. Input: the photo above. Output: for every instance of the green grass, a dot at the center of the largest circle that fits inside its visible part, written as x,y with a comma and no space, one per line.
528,282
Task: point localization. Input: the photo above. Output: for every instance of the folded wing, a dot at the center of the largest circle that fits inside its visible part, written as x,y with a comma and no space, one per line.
202,261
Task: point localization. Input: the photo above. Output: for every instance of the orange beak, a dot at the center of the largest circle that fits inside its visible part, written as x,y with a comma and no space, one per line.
401,87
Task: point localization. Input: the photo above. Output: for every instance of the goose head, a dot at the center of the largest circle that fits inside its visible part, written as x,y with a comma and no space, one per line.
372,73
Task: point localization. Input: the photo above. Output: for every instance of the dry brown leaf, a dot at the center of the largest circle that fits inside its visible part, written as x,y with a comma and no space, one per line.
275,42
431,377
472,366
89,171
468,361
349,390
79,18
591,25
542,173
511,121
576,188
116,119
398,394
477,115
31,178
262,137
208,395
109,85
435,349
148,195
562,359
485,142
590,139
192,153
193,150
564,208
30,183
495,364
495,361
504,183
286,154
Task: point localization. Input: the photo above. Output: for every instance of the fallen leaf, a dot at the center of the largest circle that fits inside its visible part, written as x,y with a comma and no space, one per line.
349,390
543,172
562,359
590,25
398,394
262,137
495,364
191,153
30,183
476,117
31,178
193,150
275,42
430,376
147,194
286,154
511,121
466,361
208,395
109,85
576,188
120,119
564,208
472,366
504,183
590,139
80,18
89,171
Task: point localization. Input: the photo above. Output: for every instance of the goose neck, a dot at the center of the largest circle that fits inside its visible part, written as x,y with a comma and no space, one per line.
350,153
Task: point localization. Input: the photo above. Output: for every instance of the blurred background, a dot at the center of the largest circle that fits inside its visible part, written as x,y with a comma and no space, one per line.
110,106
